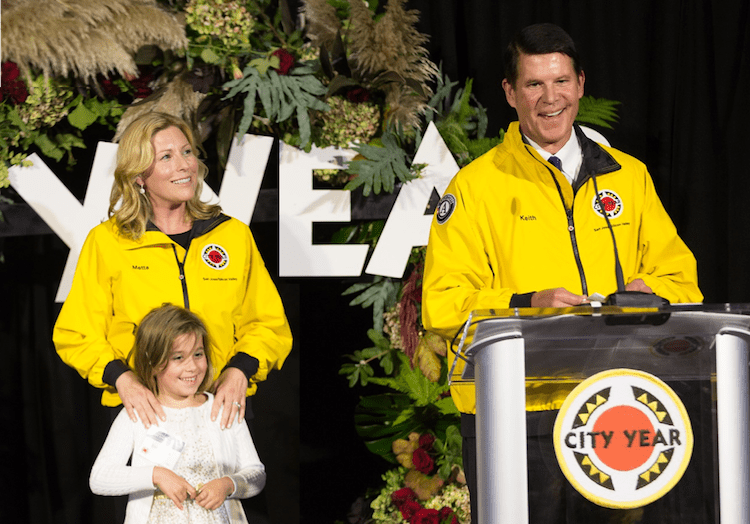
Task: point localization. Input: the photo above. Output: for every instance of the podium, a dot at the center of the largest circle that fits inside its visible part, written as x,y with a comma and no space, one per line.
568,346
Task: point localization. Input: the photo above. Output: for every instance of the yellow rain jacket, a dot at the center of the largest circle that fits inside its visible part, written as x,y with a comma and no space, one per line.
510,224
221,277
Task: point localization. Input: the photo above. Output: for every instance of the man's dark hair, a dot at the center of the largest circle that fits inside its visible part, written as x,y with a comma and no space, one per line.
539,39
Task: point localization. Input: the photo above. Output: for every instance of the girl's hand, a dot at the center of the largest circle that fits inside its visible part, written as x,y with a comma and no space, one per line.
172,485
138,400
213,494
229,391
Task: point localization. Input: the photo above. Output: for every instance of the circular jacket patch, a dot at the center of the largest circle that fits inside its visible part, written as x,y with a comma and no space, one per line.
215,256
611,201
445,208
623,438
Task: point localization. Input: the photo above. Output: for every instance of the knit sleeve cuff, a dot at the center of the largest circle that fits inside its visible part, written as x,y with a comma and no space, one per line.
521,300
113,371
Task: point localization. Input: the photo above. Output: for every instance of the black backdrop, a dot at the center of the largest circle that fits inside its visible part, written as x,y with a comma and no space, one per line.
680,69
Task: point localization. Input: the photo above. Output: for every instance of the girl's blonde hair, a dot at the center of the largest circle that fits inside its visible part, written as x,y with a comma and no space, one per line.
135,155
155,338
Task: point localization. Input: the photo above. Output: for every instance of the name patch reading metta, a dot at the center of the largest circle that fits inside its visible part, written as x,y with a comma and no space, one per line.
623,438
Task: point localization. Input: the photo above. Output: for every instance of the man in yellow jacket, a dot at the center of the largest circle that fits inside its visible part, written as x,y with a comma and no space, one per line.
522,226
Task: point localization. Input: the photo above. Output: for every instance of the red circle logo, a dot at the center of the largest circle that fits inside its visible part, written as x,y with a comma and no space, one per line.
624,432
215,256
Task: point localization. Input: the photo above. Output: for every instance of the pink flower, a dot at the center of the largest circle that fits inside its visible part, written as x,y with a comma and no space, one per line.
286,61
422,461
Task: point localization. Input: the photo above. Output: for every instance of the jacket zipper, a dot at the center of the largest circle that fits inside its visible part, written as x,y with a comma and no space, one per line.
574,241
181,266
572,231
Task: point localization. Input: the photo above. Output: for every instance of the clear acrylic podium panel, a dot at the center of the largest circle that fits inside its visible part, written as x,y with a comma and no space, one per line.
566,346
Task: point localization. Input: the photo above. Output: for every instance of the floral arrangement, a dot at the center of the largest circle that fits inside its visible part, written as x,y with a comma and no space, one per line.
354,75
424,498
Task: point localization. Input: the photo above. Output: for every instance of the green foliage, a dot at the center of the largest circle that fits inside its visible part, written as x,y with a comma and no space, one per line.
597,111
281,97
229,32
414,403
51,122
363,233
88,111
381,166
361,370
449,451
380,294
461,124
382,418
411,381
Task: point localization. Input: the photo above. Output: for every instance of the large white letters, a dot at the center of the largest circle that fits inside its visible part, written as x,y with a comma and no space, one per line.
407,225
299,205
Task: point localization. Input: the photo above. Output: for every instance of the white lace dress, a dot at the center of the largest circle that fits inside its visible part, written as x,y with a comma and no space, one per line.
196,464
208,453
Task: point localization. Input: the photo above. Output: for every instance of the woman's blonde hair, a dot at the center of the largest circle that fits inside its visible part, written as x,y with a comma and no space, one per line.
135,155
154,340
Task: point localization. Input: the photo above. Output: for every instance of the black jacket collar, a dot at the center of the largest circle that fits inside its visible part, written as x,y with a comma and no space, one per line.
200,227
596,161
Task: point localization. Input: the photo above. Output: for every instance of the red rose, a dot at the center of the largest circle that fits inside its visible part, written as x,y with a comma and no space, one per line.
10,71
426,441
447,516
358,95
11,87
422,461
410,508
425,516
402,495
109,88
286,61
141,84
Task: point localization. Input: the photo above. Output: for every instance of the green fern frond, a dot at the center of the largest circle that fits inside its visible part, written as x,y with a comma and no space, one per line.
597,111
380,166
281,96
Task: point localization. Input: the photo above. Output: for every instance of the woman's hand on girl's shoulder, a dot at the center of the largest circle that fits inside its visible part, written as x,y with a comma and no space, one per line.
138,400
229,393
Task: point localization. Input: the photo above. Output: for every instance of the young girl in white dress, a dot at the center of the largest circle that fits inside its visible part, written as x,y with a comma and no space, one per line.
187,469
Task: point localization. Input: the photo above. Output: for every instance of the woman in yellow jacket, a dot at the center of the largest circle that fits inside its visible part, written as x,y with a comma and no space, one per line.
162,244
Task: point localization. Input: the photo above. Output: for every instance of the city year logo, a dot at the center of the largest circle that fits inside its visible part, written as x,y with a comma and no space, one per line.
215,256
623,438
611,201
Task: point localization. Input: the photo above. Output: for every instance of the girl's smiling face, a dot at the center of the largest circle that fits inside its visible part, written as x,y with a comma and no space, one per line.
186,367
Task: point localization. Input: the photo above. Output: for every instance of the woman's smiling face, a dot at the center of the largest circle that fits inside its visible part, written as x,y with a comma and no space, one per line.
172,179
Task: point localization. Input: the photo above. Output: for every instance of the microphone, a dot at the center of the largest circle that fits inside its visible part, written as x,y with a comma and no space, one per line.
623,297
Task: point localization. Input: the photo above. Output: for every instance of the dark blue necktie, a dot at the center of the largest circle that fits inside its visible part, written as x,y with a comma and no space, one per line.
555,162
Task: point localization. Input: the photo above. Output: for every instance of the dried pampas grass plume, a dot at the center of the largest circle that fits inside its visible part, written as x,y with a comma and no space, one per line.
85,37
176,98
321,23
393,44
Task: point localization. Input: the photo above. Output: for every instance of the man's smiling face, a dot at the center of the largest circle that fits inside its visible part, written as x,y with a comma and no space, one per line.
546,96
